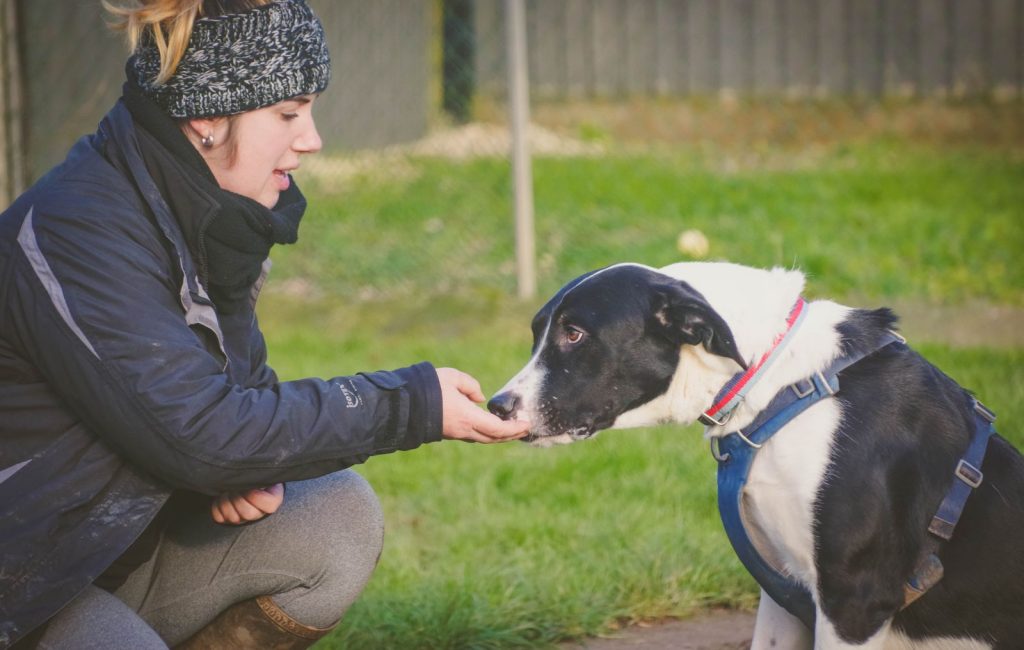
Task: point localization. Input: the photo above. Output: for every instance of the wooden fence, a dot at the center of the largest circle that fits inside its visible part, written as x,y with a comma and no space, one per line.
615,48
60,69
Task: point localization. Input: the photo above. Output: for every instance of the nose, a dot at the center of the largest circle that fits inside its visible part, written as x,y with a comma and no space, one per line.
504,405
309,141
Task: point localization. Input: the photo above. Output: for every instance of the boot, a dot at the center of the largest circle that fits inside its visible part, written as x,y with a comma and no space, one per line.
257,623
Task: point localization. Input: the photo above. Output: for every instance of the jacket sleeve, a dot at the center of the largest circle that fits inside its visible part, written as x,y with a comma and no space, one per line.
104,323
261,375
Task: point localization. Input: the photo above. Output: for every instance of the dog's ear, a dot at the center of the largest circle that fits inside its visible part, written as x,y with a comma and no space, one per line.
687,318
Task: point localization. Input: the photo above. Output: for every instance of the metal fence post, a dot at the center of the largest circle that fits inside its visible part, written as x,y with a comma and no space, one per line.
522,179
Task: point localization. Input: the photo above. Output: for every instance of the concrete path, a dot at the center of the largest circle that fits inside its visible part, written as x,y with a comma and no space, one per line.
715,630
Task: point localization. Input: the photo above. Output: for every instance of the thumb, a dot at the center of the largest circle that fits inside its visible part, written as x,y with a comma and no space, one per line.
470,387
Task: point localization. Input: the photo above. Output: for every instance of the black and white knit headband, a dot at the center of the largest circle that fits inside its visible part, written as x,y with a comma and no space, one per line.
239,62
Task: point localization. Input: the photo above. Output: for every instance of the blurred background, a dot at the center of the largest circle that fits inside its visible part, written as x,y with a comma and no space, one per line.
878,145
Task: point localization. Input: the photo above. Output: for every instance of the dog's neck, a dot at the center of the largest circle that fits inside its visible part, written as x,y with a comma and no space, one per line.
755,304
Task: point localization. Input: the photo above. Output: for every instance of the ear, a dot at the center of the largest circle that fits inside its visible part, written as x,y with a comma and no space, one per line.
687,318
200,127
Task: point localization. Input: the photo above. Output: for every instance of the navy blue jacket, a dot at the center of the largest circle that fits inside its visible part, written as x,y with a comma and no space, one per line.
120,382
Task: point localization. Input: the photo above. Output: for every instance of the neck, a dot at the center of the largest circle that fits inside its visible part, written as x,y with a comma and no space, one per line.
756,304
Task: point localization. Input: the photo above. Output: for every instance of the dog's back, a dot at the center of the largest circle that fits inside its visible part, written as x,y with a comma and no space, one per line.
905,426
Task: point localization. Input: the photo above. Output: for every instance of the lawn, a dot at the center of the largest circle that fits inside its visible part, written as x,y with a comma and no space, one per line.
510,546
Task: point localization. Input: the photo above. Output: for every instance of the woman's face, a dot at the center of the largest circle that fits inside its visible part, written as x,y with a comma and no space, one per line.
254,152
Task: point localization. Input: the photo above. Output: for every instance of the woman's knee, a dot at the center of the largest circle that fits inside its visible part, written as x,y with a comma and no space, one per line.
346,539
349,511
342,521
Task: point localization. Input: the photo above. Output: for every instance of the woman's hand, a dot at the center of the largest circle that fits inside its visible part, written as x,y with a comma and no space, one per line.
464,420
250,505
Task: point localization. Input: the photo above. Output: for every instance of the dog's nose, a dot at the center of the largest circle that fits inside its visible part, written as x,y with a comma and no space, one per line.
504,405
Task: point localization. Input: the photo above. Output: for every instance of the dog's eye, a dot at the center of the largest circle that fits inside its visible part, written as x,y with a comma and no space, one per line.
573,335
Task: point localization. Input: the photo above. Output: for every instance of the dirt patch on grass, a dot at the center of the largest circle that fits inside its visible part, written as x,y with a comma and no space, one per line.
731,123
975,324
713,630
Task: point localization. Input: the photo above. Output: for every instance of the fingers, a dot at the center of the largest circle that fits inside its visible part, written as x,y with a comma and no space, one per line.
477,425
266,500
470,387
462,419
462,382
250,505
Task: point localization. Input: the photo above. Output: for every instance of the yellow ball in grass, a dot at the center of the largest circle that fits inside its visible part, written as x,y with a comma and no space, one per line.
692,243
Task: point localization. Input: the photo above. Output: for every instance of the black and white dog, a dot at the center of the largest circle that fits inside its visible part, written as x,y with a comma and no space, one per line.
840,499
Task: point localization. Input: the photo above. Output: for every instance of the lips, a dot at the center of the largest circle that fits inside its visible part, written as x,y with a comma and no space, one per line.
282,178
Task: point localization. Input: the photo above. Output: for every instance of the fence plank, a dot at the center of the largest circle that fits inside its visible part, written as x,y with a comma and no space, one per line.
1002,54
546,49
640,54
867,51
1020,48
769,73
900,66
489,62
702,50
800,46
669,19
578,37
935,46
970,69
606,48
736,46
833,48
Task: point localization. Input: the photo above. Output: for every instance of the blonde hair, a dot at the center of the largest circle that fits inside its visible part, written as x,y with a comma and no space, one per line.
170,24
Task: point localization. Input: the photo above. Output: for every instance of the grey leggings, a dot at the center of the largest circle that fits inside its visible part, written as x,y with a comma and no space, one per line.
314,556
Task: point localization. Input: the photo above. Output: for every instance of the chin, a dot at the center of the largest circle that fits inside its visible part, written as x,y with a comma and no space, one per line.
551,441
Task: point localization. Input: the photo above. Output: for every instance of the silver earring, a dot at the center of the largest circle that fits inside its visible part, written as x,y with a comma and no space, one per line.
207,140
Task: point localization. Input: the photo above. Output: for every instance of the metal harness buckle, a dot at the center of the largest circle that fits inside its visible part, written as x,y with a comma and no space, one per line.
715,453
968,473
710,421
983,411
800,392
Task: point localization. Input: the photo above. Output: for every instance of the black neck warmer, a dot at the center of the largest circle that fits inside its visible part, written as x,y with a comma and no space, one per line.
228,234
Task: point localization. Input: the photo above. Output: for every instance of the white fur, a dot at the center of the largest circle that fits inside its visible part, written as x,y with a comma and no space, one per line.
776,628
897,641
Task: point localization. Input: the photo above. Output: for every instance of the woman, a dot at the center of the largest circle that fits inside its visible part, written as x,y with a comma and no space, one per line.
139,421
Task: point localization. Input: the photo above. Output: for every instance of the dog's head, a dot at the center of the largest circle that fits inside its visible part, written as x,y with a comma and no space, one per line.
606,344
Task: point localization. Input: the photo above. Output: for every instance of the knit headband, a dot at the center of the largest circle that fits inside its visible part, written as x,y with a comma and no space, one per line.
239,62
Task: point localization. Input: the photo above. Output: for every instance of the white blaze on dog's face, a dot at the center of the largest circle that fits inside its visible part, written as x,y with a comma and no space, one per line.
606,344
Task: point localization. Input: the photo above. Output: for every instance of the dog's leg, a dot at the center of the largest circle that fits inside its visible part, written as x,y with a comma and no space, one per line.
827,638
776,628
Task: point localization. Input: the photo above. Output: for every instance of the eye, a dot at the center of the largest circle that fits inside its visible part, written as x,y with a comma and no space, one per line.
288,117
573,335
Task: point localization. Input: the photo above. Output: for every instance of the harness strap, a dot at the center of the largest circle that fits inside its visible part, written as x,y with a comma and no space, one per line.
735,455
967,476
968,473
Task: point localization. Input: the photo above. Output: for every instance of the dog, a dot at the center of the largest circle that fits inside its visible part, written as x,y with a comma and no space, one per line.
839,502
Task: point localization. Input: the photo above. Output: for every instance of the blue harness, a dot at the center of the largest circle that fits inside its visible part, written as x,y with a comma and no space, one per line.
735,455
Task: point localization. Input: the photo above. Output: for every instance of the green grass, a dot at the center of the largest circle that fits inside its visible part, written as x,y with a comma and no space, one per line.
509,546
880,220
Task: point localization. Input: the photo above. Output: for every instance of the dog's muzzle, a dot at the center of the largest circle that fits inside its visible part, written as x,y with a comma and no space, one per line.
504,405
